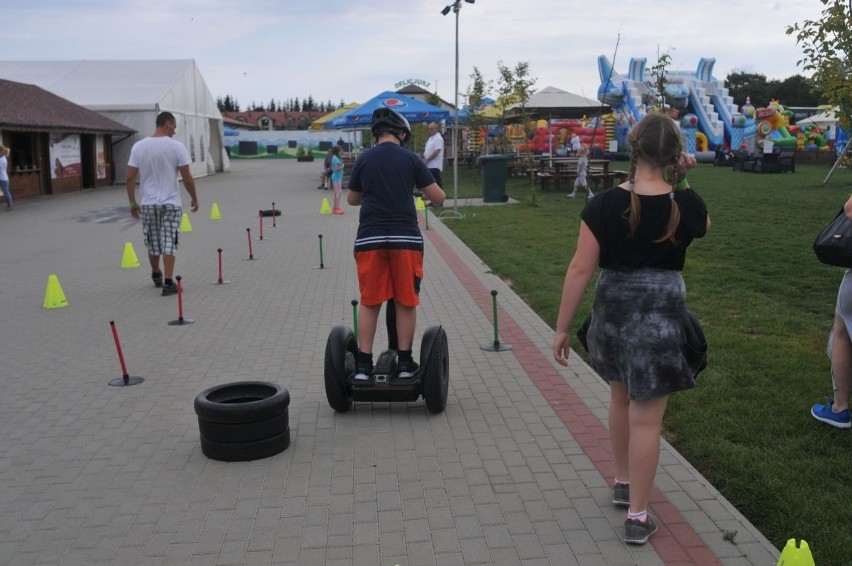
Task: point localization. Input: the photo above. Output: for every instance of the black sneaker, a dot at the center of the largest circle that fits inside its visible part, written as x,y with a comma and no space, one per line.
169,290
407,368
363,371
638,532
157,278
621,494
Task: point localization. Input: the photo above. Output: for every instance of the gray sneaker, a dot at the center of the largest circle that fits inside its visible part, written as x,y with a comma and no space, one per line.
637,532
621,494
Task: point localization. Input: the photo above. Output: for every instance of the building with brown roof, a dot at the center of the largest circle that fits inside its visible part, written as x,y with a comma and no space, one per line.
54,145
273,120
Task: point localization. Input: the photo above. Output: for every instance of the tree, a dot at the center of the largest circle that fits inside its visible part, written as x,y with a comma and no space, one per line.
742,85
271,106
827,47
433,99
659,78
514,86
476,91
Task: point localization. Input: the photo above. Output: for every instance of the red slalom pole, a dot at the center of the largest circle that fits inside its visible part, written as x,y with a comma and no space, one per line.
273,215
180,319
260,217
220,281
125,378
220,265
248,236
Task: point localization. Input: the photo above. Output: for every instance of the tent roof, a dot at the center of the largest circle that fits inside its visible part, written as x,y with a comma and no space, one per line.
28,107
102,85
823,119
557,103
324,122
415,111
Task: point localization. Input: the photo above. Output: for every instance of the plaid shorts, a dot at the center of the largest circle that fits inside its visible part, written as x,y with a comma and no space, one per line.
161,226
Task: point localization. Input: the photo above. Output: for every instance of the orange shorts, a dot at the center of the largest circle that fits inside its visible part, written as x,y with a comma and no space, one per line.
390,274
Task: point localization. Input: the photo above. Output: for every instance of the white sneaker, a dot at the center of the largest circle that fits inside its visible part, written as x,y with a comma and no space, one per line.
572,195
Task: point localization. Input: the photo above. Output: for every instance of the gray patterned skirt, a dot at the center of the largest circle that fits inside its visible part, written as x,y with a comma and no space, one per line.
636,336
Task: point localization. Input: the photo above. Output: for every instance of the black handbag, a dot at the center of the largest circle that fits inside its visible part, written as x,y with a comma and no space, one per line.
694,349
833,246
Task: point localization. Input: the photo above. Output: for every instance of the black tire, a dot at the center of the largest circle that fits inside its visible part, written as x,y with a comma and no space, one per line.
435,364
241,402
340,350
244,432
245,451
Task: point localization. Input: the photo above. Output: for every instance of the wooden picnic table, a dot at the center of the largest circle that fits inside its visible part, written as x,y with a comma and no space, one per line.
565,169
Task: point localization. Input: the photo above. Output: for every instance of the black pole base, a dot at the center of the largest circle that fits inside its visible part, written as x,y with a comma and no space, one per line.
181,322
220,282
495,347
250,258
321,267
126,381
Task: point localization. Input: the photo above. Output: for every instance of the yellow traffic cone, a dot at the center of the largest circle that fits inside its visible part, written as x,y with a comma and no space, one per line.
185,225
796,556
325,208
54,298
129,259
214,212
419,204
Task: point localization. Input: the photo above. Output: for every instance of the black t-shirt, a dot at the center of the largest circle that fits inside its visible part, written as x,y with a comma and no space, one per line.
386,176
607,215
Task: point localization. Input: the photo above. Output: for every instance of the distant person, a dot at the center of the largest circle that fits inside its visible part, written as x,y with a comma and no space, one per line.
4,177
835,411
637,233
576,143
157,160
326,170
433,153
337,177
389,246
581,182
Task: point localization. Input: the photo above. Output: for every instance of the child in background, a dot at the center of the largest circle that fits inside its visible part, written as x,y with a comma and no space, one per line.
337,177
582,170
326,171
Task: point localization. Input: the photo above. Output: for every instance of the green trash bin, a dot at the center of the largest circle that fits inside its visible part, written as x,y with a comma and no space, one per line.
494,174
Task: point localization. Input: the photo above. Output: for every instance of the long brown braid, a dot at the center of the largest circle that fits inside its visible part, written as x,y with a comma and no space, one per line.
655,140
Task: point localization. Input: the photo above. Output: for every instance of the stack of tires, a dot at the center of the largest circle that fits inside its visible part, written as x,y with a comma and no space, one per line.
245,420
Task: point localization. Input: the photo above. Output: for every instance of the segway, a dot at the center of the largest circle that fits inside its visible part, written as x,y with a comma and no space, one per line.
431,380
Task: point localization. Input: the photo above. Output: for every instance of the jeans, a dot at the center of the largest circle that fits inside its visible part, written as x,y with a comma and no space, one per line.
7,194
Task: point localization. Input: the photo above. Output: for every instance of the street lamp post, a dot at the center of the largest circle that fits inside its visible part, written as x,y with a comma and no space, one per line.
454,213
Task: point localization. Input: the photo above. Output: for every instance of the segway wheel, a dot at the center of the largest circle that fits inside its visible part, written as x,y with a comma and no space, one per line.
435,364
340,351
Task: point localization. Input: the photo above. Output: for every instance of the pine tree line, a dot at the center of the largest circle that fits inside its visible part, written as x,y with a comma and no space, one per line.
231,104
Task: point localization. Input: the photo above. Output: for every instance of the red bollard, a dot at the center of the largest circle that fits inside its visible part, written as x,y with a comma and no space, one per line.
248,235
180,319
125,378
260,218
220,281
273,215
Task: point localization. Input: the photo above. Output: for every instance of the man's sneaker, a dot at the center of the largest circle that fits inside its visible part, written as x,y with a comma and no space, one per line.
407,368
572,195
363,371
157,278
169,290
621,494
823,413
337,211
637,532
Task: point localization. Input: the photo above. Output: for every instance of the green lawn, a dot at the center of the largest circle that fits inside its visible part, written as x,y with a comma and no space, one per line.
767,306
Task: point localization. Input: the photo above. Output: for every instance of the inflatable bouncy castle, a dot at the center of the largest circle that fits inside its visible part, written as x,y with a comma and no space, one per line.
710,117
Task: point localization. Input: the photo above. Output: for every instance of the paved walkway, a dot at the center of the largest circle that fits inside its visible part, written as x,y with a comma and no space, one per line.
515,470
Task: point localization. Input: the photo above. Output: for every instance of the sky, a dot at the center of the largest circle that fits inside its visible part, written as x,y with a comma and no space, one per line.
351,50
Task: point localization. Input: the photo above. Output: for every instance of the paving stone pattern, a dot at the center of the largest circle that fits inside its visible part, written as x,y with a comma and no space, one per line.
515,470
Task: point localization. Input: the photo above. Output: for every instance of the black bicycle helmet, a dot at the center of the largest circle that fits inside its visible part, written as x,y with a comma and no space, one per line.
387,119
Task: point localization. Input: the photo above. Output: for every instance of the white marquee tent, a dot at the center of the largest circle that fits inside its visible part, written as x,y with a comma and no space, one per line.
133,93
